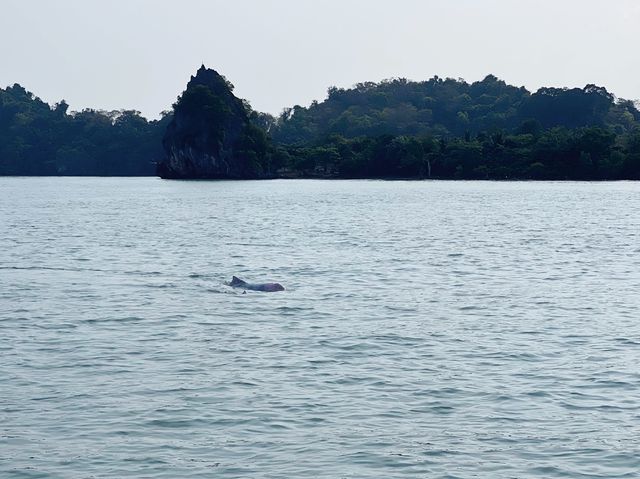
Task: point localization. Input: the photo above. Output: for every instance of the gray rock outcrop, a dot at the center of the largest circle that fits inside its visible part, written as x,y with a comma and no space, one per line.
211,136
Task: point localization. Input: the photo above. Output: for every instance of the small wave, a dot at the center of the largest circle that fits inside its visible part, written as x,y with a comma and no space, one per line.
200,276
50,268
292,309
471,308
174,423
222,290
143,273
161,286
126,319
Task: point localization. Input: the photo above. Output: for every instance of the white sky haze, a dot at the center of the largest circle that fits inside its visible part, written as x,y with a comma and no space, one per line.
139,54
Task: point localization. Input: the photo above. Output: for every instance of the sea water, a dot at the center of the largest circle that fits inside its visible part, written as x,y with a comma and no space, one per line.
428,329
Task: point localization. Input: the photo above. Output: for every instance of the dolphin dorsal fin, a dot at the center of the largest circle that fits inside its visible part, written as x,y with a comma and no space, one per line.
235,280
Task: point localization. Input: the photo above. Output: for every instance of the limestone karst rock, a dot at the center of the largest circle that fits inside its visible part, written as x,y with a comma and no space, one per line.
211,136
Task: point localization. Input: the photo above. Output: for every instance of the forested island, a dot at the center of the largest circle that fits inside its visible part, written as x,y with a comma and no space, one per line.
438,128
41,139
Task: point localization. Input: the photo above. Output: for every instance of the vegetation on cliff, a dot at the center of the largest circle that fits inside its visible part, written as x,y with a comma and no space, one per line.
211,135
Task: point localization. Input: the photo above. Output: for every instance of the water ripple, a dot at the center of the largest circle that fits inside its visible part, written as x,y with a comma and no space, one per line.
428,329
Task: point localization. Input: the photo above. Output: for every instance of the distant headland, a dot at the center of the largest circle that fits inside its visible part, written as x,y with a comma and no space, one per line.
433,129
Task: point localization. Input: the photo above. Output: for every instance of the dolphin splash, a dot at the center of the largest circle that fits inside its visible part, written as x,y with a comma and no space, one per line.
268,287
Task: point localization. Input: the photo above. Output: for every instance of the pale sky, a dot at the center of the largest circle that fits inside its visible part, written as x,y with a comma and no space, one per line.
139,54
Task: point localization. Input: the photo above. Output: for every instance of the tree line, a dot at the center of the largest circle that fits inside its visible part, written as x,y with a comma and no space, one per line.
451,129
438,128
39,139
587,153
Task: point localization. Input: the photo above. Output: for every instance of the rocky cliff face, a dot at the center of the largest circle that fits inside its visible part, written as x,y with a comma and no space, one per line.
210,136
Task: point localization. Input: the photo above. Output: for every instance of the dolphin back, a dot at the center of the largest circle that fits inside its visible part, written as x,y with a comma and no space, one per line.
267,287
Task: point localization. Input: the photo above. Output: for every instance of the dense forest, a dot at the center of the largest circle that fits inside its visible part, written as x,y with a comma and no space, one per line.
439,128
39,139
446,128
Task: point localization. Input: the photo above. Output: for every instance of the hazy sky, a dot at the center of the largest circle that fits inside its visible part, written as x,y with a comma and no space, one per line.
139,54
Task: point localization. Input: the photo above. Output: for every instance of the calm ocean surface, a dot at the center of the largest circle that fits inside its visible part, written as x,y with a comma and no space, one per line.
428,329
